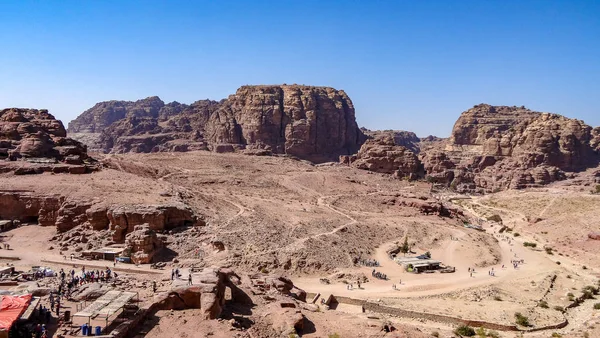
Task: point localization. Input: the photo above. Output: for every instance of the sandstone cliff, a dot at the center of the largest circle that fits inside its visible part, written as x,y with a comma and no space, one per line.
498,147
315,123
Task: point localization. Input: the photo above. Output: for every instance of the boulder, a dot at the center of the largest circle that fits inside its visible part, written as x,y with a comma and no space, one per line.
143,243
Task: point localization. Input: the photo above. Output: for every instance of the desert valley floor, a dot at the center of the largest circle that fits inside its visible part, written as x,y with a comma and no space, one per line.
314,224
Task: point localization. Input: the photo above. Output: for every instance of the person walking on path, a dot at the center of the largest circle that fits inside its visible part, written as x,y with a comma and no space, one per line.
190,279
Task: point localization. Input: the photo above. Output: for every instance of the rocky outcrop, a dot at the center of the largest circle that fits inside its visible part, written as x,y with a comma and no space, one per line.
143,243
382,155
35,136
315,123
123,219
406,139
499,147
66,214
207,293
28,207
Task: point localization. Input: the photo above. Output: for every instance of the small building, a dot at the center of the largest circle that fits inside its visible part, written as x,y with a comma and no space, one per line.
417,264
108,253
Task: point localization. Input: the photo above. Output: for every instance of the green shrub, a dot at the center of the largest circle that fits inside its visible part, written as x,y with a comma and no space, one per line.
516,234
333,335
493,334
435,334
497,298
597,306
559,308
556,335
521,320
548,250
557,262
530,244
543,304
464,330
596,190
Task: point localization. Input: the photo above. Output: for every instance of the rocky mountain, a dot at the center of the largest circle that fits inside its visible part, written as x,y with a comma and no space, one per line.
315,123
498,147
143,126
35,136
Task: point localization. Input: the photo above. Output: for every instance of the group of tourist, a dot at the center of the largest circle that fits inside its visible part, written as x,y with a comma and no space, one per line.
378,275
351,286
369,262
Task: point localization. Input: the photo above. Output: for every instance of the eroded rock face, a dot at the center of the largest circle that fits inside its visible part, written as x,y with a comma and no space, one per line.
66,214
207,293
382,155
315,123
308,122
498,147
143,243
35,135
123,219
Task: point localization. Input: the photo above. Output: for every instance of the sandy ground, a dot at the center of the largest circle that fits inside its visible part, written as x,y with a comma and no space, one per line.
310,222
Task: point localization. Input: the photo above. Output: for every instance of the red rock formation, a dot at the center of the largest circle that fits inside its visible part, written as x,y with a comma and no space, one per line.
315,123
382,155
143,243
499,147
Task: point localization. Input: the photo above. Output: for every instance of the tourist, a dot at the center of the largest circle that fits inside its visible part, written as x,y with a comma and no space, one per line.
190,279
154,286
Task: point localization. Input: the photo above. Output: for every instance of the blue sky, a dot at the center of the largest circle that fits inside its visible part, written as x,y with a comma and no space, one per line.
411,65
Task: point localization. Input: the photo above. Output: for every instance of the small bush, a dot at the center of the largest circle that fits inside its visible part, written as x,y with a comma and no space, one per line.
435,334
481,332
497,298
521,320
543,304
559,308
584,267
556,335
596,190
586,335
557,262
530,244
516,234
548,250
464,330
493,334
594,290
597,306
333,335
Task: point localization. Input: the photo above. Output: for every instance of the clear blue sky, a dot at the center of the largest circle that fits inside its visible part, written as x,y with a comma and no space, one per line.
412,65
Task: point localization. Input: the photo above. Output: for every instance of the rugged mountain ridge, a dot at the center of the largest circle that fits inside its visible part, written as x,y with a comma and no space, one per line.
315,123
499,147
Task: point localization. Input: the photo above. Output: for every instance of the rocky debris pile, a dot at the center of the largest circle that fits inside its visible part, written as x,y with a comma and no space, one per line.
143,243
424,205
315,123
383,155
498,147
39,142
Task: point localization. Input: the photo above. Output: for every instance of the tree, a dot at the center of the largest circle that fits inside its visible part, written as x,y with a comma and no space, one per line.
405,248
